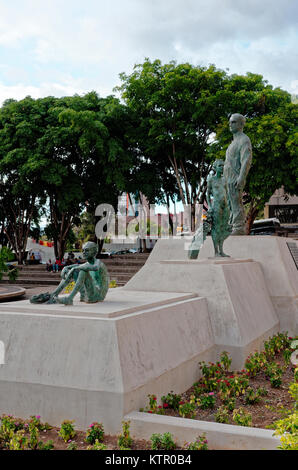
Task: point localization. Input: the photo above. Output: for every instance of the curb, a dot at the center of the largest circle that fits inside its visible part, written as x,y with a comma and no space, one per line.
219,436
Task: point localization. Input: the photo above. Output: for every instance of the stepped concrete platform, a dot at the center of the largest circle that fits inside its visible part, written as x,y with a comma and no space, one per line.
276,261
98,362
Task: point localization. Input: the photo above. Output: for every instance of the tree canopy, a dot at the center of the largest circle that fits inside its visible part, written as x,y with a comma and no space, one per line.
71,151
181,108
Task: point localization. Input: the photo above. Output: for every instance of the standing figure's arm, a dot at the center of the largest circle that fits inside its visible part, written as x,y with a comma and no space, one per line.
245,160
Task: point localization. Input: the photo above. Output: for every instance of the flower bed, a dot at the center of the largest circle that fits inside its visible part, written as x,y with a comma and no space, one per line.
263,395
32,434
260,395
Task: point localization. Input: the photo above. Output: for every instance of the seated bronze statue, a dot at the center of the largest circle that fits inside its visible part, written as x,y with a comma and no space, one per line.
91,281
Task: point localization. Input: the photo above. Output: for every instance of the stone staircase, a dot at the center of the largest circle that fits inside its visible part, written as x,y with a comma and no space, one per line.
121,268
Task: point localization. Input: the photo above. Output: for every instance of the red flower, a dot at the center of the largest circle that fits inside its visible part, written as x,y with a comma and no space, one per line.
150,411
165,405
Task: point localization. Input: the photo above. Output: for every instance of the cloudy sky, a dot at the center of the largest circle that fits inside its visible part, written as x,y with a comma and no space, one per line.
62,47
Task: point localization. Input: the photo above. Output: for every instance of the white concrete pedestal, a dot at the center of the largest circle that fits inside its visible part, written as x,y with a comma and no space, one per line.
272,253
240,309
97,362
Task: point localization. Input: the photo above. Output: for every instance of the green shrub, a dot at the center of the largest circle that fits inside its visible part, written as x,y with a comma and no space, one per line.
67,430
207,401
251,396
171,400
95,433
97,446
72,446
162,441
124,440
242,417
187,410
222,415
200,443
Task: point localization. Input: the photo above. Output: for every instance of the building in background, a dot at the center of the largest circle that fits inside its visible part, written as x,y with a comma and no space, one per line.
282,207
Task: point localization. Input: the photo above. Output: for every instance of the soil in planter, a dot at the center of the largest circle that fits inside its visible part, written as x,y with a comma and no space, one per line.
264,413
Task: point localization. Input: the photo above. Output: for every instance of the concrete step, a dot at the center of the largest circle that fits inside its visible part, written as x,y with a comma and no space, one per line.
34,281
44,273
121,268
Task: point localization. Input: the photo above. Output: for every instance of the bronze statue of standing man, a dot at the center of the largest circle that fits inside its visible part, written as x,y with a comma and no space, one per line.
236,168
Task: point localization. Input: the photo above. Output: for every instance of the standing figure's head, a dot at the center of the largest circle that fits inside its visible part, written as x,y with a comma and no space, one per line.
237,123
218,167
90,250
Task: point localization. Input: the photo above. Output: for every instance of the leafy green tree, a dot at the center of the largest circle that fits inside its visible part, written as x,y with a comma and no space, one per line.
71,151
22,123
178,108
181,108
5,256
272,127
100,157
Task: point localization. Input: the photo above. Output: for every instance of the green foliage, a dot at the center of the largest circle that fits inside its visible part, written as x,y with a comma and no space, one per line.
6,255
172,400
276,344
162,441
252,396
124,439
200,443
34,436
187,410
18,441
71,150
177,108
67,430
230,403
293,391
35,421
49,445
207,401
97,446
287,427
225,360
276,380
95,433
222,415
152,403
255,363
72,446
272,128
242,417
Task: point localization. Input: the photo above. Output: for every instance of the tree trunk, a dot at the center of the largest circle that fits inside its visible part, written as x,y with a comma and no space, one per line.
169,216
250,218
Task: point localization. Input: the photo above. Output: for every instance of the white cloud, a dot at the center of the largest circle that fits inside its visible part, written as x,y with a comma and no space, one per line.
95,40
21,90
294,87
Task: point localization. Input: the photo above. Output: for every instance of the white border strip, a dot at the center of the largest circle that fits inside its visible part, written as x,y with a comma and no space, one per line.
219,436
